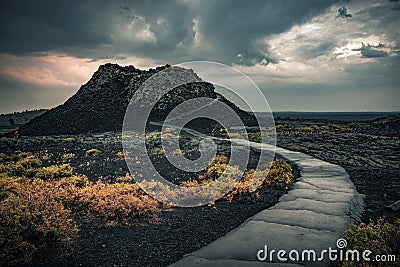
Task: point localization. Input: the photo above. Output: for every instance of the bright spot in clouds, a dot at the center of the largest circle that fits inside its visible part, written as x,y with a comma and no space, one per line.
58,69
322,48
298,52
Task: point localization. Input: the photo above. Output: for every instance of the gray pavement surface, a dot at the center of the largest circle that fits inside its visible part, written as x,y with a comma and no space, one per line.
312,216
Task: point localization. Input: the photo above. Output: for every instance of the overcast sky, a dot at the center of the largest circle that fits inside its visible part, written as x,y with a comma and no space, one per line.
304,55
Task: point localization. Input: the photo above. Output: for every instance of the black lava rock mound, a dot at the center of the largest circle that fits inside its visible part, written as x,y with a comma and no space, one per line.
100,104
388,126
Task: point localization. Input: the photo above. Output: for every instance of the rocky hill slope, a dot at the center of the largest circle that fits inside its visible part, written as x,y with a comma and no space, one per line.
388,126
100,104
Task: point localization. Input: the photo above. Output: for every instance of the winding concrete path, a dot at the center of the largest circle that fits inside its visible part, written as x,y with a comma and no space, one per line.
313,215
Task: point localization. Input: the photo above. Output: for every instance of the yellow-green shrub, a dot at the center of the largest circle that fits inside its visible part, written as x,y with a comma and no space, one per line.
31,218
294,148
255,137
308,129
20,164
118,203
35,214
127,179
3,157
241,192
92,152
279,127
178,152
120,155
280,172
345,130
54,172
154,135
67,157
216,167
159,151
381,238
235,135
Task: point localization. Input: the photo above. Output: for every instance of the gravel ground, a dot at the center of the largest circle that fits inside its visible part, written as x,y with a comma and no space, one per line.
371,160
178,231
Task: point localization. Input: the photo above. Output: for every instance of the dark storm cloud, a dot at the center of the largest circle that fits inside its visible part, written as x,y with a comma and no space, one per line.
98,29
37,26
48,49
373,51
155,29
343,13
236,27
170,22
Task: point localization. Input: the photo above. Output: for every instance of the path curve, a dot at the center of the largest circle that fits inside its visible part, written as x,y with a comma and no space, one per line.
313,215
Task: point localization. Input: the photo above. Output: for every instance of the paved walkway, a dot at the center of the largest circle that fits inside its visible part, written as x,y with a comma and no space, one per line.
313,215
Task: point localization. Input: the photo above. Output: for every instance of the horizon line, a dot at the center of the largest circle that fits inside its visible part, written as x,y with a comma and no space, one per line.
273,111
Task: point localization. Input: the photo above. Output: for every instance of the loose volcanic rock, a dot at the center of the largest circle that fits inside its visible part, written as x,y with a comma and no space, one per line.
100,104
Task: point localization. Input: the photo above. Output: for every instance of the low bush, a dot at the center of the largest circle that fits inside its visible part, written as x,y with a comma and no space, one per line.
127,179
306,129
241,191
92,152
120,155
20,164
354,124
37,204
159,151
170,130
334,126
76,180
216,168
119,203
31,219
178,152
192,183
280,172
67,157
381,238
324,128
154,135
168,133
256,137
220,132
3,157
279,127
235,135
54,172
345,130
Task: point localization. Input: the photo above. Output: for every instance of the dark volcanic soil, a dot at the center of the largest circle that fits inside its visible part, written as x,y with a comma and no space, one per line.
372,160
178,231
